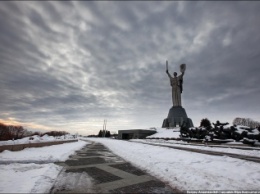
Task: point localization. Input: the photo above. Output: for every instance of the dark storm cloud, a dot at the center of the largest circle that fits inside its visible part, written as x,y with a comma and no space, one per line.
72,64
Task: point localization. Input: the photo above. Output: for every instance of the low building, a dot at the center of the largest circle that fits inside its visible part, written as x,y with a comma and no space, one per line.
135,133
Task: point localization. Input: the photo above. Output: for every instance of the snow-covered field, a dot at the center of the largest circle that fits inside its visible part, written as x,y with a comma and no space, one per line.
32,170
36,139
255,152
166,133
188,170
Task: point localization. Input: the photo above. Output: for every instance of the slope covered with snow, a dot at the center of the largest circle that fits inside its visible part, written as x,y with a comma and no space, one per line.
32,170
36,139
166,133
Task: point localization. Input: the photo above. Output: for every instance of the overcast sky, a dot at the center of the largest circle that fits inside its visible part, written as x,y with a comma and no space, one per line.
70,65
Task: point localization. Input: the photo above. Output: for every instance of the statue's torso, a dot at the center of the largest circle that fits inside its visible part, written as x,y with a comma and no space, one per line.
175,81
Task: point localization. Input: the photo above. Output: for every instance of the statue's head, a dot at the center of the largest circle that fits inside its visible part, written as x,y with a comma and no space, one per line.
175,74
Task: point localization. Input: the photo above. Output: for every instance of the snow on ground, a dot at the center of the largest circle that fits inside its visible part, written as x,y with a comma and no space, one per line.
81,182
29,177
187,145
188,170
52,153
166,133
36,139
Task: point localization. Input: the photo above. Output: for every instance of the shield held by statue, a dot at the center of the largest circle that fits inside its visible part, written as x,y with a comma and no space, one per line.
182,68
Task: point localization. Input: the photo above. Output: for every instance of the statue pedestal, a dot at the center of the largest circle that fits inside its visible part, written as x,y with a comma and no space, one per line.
177,117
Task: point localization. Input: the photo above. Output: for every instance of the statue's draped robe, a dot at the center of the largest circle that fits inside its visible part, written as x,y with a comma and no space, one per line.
176,91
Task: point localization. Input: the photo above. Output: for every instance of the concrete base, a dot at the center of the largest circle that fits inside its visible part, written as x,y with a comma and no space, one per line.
177,117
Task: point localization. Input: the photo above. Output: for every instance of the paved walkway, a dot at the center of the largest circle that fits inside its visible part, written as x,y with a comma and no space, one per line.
95,169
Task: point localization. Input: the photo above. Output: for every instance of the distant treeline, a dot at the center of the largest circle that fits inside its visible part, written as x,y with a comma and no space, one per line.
13,132
103,133
246,122
8,132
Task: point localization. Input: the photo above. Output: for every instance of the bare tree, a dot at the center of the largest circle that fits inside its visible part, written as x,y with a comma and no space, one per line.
4,132
246,122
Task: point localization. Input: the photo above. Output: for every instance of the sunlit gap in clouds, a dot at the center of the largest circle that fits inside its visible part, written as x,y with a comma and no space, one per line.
33,126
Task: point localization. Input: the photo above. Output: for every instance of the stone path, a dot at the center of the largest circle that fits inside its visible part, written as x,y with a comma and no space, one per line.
95,169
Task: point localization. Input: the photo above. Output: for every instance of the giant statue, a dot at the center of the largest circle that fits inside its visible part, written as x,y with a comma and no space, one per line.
177,115
176,84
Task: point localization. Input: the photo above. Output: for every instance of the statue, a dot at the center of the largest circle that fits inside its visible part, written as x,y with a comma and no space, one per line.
177,115
176,84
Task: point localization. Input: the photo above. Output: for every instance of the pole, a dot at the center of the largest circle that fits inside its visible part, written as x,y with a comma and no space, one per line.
103,131
105,127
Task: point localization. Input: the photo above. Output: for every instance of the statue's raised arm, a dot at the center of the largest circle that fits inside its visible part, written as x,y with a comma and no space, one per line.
169,75
182,69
